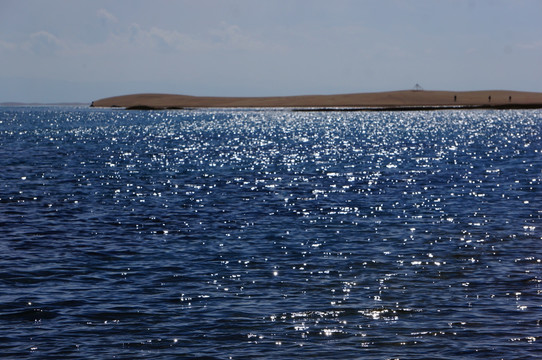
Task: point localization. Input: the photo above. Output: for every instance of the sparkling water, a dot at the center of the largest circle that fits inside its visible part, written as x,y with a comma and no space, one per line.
270,234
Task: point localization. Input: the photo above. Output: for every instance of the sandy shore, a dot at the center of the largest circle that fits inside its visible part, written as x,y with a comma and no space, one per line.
391,100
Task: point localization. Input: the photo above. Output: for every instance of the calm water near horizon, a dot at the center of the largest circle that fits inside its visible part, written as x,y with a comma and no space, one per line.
270,234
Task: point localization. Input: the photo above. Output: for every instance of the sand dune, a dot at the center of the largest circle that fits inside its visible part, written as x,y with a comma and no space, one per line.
378,100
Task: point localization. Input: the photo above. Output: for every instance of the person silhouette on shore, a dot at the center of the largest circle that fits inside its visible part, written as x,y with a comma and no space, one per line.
455,98
489,98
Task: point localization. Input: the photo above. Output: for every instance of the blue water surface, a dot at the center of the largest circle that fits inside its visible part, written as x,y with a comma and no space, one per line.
270,234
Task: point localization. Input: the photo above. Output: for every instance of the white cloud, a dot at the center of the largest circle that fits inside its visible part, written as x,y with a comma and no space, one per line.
106,16
224,37
531,46
156,38
171,39
7,45
233,36
44,43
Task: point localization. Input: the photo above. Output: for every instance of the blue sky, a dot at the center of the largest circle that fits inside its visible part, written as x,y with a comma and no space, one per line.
83,50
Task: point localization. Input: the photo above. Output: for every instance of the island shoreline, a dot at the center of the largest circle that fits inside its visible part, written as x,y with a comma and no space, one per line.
404,100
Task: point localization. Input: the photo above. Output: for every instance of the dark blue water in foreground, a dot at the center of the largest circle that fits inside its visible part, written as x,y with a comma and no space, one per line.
270,234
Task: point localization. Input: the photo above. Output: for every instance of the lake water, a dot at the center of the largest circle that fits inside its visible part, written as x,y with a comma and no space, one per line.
270,234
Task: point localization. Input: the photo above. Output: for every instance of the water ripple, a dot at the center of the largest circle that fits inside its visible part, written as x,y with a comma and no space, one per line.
270,233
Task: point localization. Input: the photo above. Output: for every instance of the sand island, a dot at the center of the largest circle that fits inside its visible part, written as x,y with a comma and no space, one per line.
416,99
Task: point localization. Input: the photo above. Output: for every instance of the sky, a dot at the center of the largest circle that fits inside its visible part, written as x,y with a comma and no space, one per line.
84,50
